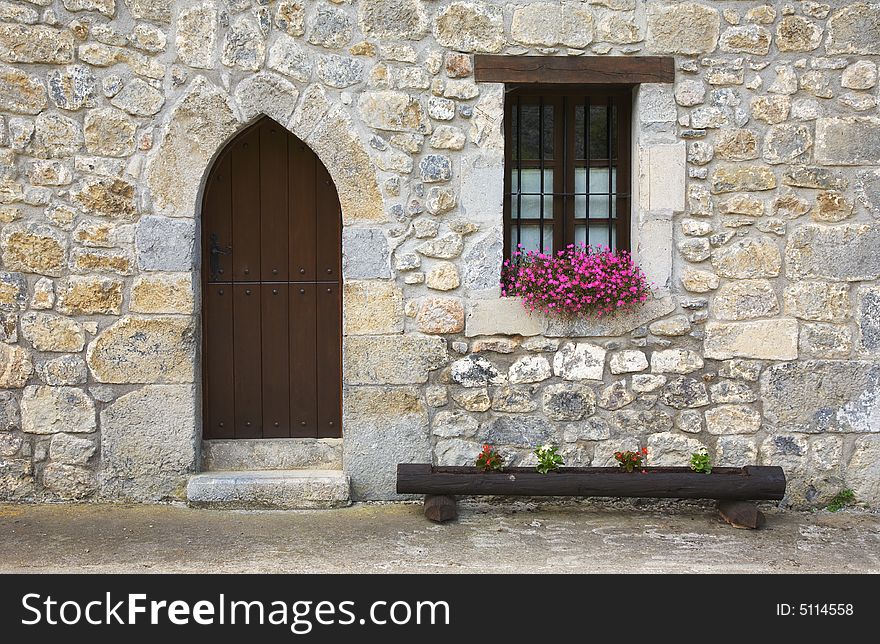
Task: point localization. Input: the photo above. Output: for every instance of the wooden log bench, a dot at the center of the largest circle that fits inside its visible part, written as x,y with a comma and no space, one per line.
734,488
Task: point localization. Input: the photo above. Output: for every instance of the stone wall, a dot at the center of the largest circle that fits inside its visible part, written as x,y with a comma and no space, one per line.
758,198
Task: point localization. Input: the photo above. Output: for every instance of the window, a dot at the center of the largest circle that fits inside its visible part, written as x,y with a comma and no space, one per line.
567,167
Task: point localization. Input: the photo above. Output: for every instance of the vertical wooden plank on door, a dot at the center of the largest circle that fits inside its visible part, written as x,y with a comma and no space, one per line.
303,390
328,224
245,170
275,361
248,357
301,208
217,330
218,361
328,360
328,340
273,202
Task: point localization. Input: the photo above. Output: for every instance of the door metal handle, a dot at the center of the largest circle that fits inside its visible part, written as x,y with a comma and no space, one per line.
216,251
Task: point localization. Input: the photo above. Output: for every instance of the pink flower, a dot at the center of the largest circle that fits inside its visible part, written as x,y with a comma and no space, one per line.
576,280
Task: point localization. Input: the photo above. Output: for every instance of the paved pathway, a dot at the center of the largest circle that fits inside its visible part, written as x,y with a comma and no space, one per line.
376,538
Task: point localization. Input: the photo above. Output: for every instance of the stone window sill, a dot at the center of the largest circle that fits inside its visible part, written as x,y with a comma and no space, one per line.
508,316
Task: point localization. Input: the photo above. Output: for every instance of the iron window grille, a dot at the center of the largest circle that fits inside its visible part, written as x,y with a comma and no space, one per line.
567,167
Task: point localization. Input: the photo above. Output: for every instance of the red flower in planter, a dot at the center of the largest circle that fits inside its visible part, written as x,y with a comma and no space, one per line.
489,459
632,460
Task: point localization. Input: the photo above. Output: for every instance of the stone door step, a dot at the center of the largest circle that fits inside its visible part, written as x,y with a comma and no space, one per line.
269,490
272,454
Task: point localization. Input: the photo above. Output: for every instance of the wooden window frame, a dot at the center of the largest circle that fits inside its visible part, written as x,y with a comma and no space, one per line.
566,98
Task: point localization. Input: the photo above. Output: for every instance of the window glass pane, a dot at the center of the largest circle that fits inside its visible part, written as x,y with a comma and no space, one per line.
614,131
530,236
531,203
599,180
549,120
528,142
598,235
599,206
579,129
598,131
580,188
530,115
511,144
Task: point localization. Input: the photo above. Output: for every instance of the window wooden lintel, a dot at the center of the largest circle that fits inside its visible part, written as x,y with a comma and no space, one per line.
585,70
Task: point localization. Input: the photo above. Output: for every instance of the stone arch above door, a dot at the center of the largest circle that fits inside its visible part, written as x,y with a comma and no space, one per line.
206,118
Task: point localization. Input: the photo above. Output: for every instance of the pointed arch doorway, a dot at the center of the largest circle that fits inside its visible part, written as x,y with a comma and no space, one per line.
271,291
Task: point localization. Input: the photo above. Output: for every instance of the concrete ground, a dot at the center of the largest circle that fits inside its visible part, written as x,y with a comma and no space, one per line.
375,538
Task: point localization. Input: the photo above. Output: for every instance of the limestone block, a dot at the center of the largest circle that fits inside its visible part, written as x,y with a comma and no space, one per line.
243,45
528,369
392,19
844,252
820,340
148,443
15,368
853,140
383,427
90,295
50,410
854,29
372,307
663,173
505,316
822,396
165,244
862,473
71,449
627,361
69,482
439,315
579,361
138,98
475,371
63,370
549,25
111,197
762,339
745,300
162,293
470,27
365,253
109,132
35,44
567,401
817,301
20,92
392,360
796,33
49,332
679,361
198,125
668,449
748,258
196,36
144,350
685,28
329,27
72,87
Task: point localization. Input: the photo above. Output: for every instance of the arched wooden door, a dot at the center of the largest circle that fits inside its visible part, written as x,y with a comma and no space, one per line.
271,264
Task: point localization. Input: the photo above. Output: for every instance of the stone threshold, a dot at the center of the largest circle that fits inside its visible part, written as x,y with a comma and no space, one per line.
269,490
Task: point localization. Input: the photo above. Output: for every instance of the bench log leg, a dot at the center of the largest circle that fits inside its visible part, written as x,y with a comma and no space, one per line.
741,514
440,507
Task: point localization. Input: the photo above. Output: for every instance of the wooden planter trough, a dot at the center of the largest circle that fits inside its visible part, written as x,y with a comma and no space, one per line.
732,487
